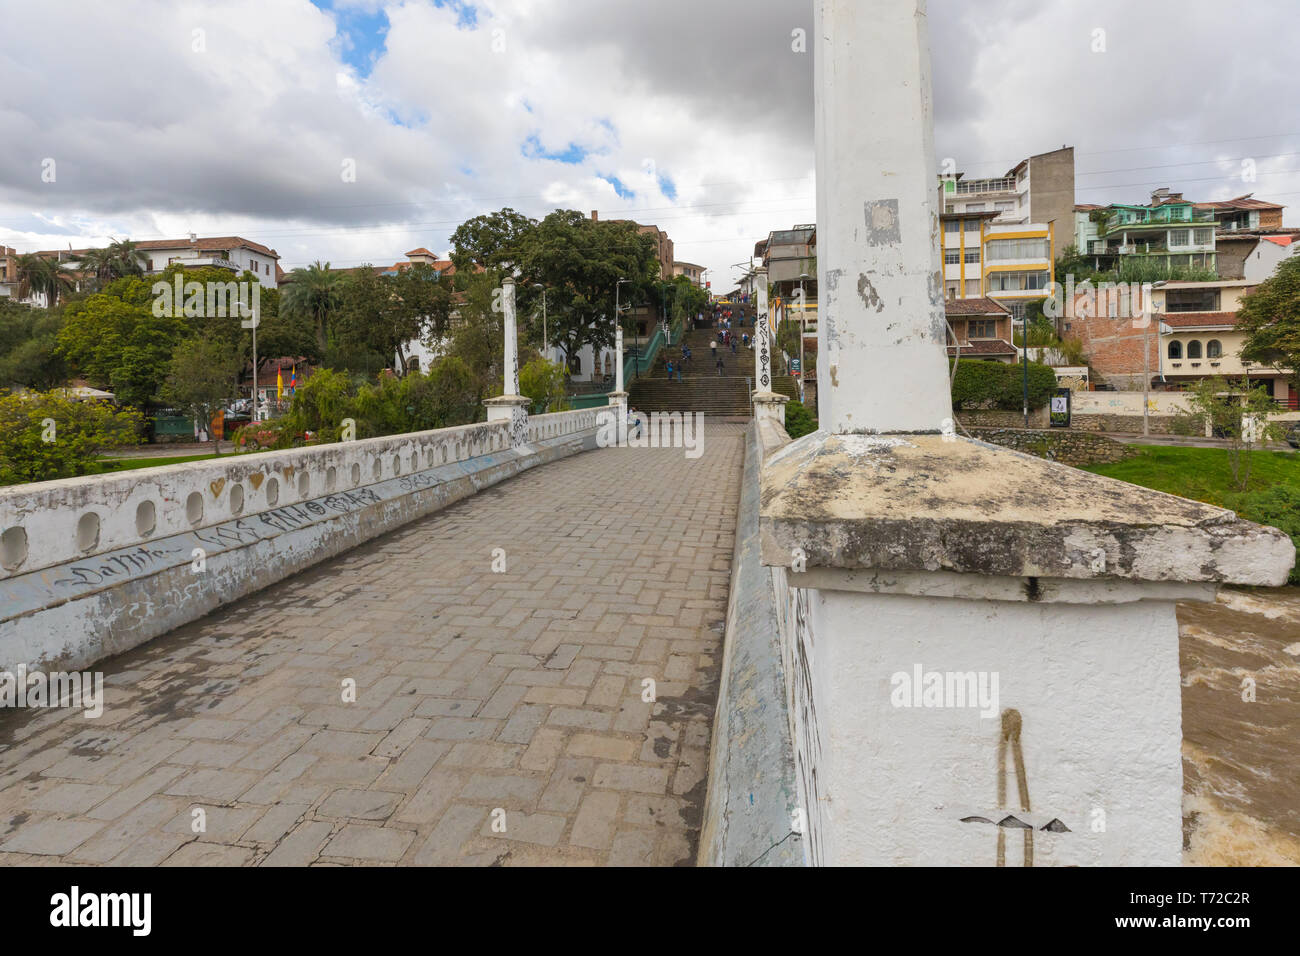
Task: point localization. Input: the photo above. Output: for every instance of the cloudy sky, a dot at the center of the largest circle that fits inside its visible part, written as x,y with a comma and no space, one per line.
246,117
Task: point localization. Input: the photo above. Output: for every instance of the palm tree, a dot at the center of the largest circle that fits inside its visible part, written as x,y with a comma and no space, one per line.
98,265
39,275
313,293
127,259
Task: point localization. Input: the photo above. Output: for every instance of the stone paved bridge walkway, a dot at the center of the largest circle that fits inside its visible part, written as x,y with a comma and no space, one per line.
475,692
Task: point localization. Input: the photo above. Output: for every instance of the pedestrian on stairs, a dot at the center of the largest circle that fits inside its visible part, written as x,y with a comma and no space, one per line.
732,341
679,371
719,365
670,370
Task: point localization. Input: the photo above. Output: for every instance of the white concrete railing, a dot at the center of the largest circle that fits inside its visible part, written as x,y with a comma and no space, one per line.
76,552
51,522
557,424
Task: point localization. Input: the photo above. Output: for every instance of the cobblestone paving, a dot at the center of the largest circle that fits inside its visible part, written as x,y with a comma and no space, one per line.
483,700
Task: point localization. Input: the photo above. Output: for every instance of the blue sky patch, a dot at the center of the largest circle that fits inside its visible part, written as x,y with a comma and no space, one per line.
361,35
622,191
533,149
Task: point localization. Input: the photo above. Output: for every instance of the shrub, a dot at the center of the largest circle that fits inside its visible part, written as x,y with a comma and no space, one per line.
798,420
983,384
44,436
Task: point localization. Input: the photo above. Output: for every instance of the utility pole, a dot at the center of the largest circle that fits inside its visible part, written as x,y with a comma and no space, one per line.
1024,344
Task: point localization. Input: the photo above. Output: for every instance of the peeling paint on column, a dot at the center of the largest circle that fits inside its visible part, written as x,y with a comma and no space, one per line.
868,294
882,222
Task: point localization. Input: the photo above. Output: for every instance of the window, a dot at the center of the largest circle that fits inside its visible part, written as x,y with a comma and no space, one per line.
1214,349
974,207
952,257
1017,310
1204,237
972,225
1194,350
952,290
1178,237
1017,281
1000,250
1192,300
949,208
952,226
981,328
972,288
1006,206
972,255
1175,349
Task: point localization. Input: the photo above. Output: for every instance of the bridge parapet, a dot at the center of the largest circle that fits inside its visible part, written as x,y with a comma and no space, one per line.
93,566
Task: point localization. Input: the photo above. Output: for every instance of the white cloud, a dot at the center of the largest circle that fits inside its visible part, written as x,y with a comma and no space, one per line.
248,137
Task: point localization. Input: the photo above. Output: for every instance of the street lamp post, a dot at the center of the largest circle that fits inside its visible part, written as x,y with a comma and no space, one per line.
538,285
803,330
618,338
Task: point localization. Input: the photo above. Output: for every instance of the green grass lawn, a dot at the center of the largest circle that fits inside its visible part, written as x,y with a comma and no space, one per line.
1202,474
129,464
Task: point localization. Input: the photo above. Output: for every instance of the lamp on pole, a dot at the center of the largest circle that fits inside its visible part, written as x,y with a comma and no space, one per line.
618,338
803,330
538,285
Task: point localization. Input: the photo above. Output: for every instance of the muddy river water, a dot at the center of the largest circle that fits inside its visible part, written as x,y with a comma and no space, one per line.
1241,757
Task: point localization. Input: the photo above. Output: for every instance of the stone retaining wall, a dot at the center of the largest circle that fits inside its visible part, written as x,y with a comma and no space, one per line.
1064,445
1124,424
1002,417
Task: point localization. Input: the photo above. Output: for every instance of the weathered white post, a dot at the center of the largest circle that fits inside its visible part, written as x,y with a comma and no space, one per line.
767,403
982,650
510,406
618,397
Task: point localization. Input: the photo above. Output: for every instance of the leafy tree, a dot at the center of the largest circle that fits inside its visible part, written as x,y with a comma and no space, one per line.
1239,415
28,346
580,262
1270,317
202,377
545,383
494,241
44,436
313,293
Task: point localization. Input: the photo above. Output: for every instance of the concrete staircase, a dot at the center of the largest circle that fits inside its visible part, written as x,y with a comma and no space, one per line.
701,388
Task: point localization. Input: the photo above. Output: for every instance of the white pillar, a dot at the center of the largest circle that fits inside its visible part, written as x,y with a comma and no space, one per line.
512,339
877,233
618,357
981,649
510,406
767,403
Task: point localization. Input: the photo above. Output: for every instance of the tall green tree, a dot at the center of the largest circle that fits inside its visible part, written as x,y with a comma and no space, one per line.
494,242
1270,317
580,262
202,377
40,275
314,293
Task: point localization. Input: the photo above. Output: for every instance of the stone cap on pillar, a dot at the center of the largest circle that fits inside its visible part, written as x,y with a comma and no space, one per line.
617,398
769,398
507,401
945,503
